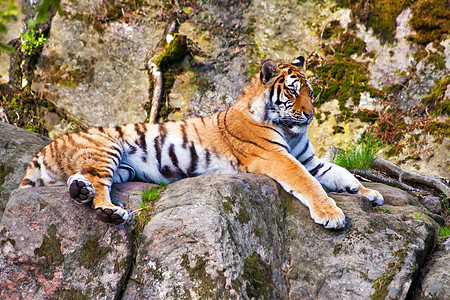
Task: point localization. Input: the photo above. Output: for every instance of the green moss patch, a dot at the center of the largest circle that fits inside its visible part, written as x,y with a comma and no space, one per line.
258,275
338,75
92,253
205,288
436,101
24,110
173,51
50,251
243,216
4,171
382,282
380,15
430,20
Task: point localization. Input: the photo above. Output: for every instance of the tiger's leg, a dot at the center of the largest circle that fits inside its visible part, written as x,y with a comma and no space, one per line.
295,179
95,167
338,179
333,177
91,187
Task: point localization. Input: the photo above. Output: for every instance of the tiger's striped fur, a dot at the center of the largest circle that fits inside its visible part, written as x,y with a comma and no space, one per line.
263,132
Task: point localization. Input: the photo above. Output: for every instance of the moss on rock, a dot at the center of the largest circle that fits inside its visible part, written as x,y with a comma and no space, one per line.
50,251
338,75
258,275
4,171
380,15
205,288
436,100
430,20
92,252
382,282
173,51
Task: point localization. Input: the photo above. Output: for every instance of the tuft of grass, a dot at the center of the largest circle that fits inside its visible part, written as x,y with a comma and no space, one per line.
147,205
418,216
444,231
359,156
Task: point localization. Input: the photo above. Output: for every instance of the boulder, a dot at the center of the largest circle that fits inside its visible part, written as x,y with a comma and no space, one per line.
214,237
231,236
17,148
379,256
58,249
436,282
85,75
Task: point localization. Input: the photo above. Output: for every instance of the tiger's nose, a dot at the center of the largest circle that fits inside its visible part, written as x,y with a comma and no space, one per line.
308,115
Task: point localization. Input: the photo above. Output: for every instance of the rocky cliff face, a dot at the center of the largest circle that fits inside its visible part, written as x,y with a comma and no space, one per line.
227,237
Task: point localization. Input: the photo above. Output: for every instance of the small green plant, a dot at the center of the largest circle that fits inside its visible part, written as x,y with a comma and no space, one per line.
359,156
418,216
31,40
149,198
444,231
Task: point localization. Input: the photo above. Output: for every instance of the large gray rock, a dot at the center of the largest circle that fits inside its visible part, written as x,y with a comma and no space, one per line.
214,237
201,243
436,282
58,249
235,236
98,78
17,148
378,257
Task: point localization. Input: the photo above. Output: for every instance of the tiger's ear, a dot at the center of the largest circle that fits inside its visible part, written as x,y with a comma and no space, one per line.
299,62
268,71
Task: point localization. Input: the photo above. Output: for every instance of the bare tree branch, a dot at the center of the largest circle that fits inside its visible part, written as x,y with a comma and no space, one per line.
411,178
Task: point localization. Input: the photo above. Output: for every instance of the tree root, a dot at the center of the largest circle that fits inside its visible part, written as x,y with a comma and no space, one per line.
175,50
377,178
411,178
158,89
402,179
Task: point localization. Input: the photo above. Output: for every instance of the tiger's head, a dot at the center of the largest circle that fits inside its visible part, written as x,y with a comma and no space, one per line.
288,94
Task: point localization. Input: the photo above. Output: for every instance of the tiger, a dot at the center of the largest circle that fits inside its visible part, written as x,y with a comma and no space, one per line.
263,132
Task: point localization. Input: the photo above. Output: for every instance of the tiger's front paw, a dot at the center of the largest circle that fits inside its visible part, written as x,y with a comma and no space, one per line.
329,215
80,189
112,214
374,196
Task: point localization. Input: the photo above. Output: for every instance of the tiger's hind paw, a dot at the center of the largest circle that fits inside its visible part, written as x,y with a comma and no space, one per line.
112,214
80,189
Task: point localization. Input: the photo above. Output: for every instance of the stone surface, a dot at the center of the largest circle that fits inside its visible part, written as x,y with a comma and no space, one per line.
432,203
436,283
284,29
378,257
58,249
392,61
98,78
235,236
17,148
213,237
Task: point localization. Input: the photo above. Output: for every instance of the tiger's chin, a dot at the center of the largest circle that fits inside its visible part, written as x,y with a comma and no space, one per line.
297,128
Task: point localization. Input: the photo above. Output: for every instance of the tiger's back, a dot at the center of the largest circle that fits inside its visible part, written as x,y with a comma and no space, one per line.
263,132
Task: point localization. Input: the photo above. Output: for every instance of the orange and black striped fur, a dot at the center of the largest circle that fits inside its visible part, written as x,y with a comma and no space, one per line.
264,132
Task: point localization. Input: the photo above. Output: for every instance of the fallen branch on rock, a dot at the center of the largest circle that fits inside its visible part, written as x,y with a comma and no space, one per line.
174,50
377,178
407,177
158,89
